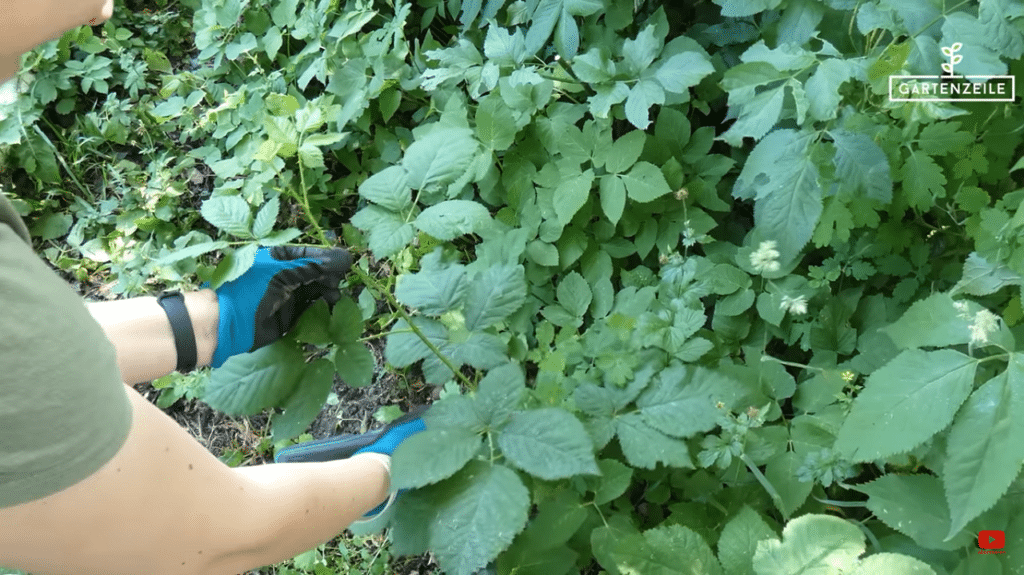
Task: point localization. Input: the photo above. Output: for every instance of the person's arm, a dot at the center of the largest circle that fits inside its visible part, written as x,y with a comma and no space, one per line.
165,505
142,336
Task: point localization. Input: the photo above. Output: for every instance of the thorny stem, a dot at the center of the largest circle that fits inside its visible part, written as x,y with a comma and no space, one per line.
408,320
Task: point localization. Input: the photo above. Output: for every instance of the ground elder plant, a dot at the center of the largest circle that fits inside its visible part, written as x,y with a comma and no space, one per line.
700,296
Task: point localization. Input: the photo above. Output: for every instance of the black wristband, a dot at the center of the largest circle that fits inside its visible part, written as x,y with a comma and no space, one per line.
173,303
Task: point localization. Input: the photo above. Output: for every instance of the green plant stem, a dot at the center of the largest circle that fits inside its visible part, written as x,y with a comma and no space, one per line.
790,363
408,320
304,200
60,157
762,480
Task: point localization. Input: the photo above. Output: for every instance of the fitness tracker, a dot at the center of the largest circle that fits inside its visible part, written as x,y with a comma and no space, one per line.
173,303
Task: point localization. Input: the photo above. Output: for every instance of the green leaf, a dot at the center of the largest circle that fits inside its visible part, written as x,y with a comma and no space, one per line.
892,564
740,8
823,86
489,506
346,321
725,279
626,151
683,71
755,118
613,197
657,552
681,401
55,225
583,7
354,364
191,252
933,321
495,125
388,188
574,294
645,182
494,295
235,263
913,505
266,218
433,292
811,544
861,166
904,403
280,237
504,49
738,543
943,138
306,401
567,36
615,479
645,446
450,219
983,278
781,472
388,231
313,325
549,443
251,382
542,24
571,194
439,158
642,96
311,156
230,214
433,455
922,180
638,54
985,451
499,394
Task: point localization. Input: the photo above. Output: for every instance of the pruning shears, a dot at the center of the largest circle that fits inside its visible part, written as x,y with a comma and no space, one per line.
340,446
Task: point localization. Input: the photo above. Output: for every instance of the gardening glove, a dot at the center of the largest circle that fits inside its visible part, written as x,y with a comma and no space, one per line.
267,300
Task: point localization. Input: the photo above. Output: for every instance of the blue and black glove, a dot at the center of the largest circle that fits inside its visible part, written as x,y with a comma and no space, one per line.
267,300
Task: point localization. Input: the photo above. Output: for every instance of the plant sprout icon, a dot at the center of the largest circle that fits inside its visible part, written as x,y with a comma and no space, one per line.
954,58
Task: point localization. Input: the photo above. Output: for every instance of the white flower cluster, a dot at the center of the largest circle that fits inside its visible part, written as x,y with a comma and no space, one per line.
985,323
765,258
794,305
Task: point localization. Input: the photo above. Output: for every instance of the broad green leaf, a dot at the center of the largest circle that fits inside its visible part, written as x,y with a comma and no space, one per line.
824,84
862,166
306,401
638,54
439,158
571,194
615,479
645,446
567,36
549,443
913,505
613,197
251,382
681,401
235,263
542,24
346,321
593,67
313,325
683,71
943,138
433,455
574,294
645,182
904,403
811,544
433,292
388,188
665,550
192,252
983,278
450,219
922,180
504,49
388,232
405,348
984,451
892,564
755,118
500,393
311,156
495,125
496,293
280,237
933,321
725,279
642,96
354,364
266,218
738,543
488,507
781,472
740,8
583,7
230,214
54,225
626,151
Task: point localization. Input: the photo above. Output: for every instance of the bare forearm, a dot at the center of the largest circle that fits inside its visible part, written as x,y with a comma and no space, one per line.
141,333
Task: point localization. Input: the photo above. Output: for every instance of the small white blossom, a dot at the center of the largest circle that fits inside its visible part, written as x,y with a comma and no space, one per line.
961,306
985,323
765,258
794,305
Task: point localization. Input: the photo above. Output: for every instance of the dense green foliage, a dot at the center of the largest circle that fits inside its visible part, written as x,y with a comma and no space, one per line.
701,297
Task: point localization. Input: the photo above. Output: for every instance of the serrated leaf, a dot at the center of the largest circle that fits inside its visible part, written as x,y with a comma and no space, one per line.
683,71
984,451
567,36
613,197
934,321
781,473
542,24
615,479
738,543
645,446
251,382
983,278
645,182
346,321
191,252
824,85
266,218
892,564
280,237
405,348
943,138
681,401
306,401
233,265
862,166
439,158
230,214
281,104
549,443
626,151
388,232
453,218
433,455
503,48
354,364
642,96
433,292
574,294
923,180
388,188
811,544
656,552
488,508
495,125
904,403
571,194
638,54
496,293
913,505
499,394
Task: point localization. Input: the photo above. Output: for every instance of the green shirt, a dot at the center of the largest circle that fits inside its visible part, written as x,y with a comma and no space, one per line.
64,410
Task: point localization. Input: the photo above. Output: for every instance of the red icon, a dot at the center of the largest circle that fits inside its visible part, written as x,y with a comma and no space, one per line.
93,21
991,539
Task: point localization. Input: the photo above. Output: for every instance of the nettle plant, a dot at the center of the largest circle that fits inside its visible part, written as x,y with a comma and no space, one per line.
702,298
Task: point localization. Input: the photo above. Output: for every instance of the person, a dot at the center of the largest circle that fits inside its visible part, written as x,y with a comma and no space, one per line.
94,478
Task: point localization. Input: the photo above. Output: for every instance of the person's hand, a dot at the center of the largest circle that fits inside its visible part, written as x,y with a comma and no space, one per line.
266,301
